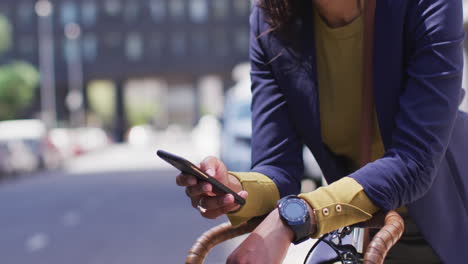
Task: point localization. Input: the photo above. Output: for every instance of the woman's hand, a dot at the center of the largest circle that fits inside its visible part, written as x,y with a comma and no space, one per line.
268,243
202,193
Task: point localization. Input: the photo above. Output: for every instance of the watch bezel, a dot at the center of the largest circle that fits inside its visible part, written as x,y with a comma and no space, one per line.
298,220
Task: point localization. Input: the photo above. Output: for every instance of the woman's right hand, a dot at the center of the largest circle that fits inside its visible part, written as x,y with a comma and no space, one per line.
202,193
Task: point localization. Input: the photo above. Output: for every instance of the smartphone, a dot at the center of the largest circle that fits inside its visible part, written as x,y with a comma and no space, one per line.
187,167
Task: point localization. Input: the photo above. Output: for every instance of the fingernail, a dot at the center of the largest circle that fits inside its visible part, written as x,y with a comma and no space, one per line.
243,194
210,172
228,198
192,181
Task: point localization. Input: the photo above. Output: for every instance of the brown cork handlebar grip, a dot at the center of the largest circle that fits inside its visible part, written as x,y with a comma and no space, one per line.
217,235
385,239
382,242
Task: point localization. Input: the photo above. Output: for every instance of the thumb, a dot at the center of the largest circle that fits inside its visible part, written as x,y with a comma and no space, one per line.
210,165
243,194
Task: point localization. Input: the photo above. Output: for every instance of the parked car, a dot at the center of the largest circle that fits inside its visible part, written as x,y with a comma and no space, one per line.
87,139
26,139
5,165
236,130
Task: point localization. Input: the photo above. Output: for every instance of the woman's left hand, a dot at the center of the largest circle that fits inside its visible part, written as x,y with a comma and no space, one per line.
268,243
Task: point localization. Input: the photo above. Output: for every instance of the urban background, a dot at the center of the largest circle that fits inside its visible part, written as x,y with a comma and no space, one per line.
89,90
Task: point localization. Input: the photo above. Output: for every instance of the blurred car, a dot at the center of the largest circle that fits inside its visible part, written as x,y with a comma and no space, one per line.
87,139
72,142
21,158
237,122
5,165
26,138
141,136
237,128
62,139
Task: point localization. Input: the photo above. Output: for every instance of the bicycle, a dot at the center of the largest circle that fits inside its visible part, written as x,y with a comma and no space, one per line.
391,229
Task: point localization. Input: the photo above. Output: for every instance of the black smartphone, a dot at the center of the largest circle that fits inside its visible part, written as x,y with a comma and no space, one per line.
187,167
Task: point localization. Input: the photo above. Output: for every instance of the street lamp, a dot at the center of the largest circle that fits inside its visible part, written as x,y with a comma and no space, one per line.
44,10
74,99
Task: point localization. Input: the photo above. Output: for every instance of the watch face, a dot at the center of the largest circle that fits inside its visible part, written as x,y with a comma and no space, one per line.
294,210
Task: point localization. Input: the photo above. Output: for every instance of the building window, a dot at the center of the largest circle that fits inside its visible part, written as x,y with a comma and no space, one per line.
68,13
220,8
178,44
89,13
131,10
134,46
112,7
176,9
158,10
89,43
25,13
198,10
242,7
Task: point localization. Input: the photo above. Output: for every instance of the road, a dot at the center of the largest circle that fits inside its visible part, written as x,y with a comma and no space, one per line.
116,206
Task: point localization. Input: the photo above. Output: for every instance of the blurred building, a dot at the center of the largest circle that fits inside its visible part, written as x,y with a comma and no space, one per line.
178,41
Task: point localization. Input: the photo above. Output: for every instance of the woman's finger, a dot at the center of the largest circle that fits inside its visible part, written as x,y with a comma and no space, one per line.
213,214
228,207
186,180
195,201
211,203
210,166
204,188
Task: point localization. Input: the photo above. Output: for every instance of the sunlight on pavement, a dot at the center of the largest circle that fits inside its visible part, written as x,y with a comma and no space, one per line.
37,242
71,218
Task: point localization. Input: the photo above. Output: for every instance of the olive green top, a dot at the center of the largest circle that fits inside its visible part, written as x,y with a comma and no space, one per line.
339,66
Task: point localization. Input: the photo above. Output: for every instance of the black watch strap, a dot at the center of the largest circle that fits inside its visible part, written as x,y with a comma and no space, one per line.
301,231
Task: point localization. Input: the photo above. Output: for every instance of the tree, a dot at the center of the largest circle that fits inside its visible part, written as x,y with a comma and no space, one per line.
18,79
5,35
17,83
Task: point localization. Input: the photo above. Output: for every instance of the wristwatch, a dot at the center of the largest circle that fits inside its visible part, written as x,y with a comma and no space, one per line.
295,214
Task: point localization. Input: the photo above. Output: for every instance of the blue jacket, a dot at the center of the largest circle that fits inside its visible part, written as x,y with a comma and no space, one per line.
418,65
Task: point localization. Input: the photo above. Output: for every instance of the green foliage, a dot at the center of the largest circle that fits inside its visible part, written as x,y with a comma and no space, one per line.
17,79
101,98
140,114
17,83
5,35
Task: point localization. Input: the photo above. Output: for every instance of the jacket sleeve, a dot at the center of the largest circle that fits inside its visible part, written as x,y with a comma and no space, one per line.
428,105
276,148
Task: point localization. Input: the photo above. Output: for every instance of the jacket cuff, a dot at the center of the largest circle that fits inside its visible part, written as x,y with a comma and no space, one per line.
262,198
340,204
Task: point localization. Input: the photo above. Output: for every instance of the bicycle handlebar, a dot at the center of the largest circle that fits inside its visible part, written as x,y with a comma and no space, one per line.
382,242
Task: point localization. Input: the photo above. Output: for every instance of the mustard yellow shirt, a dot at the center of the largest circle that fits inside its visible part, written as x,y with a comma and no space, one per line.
339,67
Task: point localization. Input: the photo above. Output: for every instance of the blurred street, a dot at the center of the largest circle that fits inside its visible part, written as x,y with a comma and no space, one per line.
117,205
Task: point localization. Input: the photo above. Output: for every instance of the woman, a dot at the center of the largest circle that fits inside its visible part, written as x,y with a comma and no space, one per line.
311,63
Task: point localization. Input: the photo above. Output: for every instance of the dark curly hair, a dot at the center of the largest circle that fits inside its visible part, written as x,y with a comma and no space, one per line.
281,16
282,13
